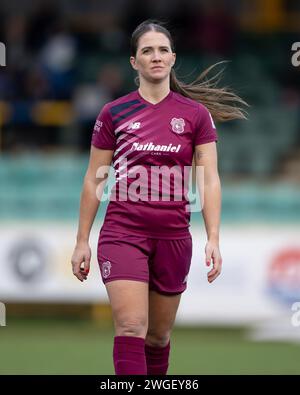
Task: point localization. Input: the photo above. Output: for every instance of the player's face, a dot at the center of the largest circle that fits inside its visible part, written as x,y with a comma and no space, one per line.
154,58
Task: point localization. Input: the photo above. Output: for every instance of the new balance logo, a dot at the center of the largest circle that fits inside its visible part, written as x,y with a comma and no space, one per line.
151,147
134,125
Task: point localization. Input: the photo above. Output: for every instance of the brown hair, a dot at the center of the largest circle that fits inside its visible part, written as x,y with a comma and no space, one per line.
223,104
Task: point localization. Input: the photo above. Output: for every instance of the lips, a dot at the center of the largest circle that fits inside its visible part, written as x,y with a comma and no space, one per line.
157,68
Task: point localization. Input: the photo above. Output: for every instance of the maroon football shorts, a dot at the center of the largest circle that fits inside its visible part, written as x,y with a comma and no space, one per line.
164,264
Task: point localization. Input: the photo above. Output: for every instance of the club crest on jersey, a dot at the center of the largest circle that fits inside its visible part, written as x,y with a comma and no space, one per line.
178,125
106,266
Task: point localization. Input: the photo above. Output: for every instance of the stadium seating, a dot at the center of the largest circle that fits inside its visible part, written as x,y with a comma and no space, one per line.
38,188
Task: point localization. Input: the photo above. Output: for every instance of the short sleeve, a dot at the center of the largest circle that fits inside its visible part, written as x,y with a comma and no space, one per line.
205,131
103,133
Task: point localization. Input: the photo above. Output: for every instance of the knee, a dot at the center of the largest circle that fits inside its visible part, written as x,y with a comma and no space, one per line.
130,326
158,339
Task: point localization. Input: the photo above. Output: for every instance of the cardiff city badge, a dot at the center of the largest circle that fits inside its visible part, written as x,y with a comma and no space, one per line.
106,269
178,125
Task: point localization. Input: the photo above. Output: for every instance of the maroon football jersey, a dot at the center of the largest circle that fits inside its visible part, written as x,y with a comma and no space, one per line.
153,148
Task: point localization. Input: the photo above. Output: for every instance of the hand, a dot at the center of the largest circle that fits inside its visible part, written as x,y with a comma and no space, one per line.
212,252
82,254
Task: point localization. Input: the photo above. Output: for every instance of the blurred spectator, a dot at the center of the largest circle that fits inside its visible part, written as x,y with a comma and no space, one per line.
57,58
90,98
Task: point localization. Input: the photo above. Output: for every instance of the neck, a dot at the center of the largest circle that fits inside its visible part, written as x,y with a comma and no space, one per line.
154,92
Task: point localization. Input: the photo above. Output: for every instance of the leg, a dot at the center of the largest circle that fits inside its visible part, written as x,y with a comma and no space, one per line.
129,303
123,263
162,313
169,268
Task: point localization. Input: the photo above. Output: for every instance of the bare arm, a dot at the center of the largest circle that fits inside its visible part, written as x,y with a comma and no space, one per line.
89,204
206,156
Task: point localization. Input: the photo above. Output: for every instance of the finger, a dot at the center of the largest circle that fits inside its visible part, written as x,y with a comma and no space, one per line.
79,275
213,274
211,279
83,273
208,257
217,260
76,270
216,265
87,260
86,267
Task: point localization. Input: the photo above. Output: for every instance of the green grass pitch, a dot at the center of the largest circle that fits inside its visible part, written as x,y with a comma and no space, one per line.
84,347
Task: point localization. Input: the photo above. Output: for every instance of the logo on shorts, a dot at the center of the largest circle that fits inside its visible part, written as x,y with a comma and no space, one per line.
185,279
178,125
106,269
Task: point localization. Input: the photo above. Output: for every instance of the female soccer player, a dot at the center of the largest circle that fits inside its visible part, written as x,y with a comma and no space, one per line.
145,247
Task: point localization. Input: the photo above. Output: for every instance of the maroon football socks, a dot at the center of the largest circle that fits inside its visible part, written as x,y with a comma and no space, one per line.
129,355
157,359
133,357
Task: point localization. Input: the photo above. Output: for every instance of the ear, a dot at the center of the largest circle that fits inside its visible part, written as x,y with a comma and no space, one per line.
174,59
132,61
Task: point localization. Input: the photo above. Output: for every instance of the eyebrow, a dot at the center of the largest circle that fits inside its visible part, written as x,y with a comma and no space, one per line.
163,46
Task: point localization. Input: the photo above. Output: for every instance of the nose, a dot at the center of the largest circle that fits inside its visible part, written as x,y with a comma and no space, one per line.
156,56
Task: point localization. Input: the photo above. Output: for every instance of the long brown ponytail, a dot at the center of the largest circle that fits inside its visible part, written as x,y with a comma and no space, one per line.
223,104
